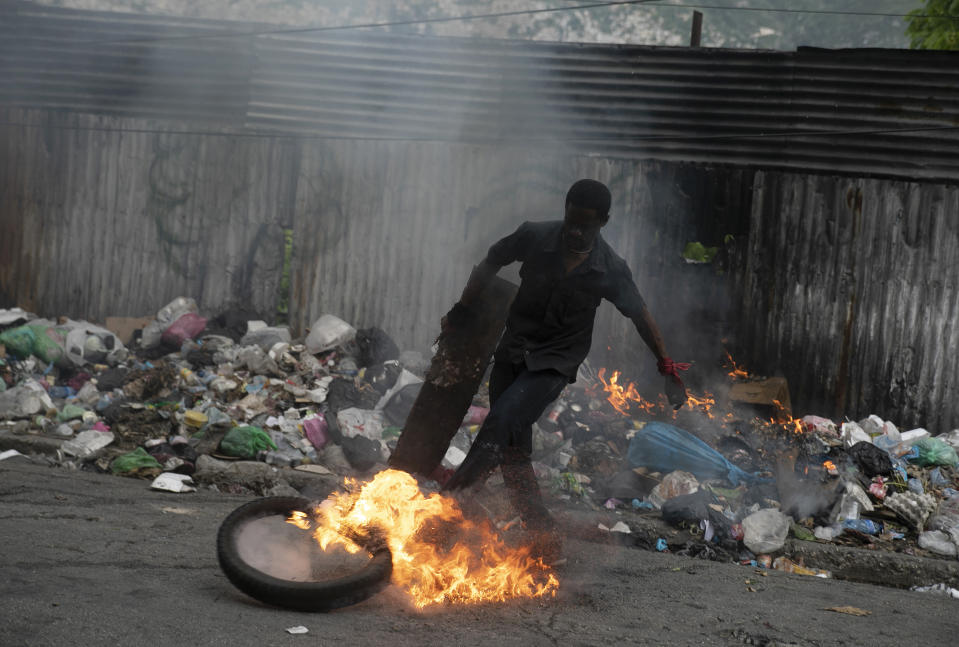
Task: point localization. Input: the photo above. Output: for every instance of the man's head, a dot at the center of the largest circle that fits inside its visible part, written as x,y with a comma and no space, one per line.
587,210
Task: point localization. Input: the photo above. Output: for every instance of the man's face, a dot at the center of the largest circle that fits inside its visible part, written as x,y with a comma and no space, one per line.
580,228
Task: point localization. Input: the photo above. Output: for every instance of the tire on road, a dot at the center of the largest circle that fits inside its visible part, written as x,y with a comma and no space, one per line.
301,596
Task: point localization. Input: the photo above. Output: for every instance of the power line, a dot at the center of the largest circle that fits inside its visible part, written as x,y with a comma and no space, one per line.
506,14
786,134
374,25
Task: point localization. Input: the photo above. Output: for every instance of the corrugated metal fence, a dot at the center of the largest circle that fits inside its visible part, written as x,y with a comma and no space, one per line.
850,291
845,286
876,112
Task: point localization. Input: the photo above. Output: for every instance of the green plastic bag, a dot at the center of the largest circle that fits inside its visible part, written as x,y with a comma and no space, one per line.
133,462
933,451
70,412
49,343
19,341
245,442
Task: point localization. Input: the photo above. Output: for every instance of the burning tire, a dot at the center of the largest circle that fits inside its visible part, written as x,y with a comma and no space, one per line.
351,588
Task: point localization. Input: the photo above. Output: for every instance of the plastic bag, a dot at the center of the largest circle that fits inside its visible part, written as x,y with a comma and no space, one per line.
665,448
133,462
765,531
328,332
266,337
933,451
361,422
50,343
19,341
89,343
675,484
153,332
872,461
316,430
246,442
187,326
375,347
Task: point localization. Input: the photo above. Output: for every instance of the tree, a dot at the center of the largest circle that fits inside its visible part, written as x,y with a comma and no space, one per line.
935,25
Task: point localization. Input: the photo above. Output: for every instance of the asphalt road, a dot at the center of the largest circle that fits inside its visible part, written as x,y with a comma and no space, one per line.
90,559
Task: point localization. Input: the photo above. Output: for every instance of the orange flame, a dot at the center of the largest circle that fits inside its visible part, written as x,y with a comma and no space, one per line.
623,399
786,419
829,465
737,371
477,567
705,402
626,398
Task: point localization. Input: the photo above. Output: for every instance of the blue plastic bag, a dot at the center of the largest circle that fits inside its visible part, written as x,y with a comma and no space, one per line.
665,448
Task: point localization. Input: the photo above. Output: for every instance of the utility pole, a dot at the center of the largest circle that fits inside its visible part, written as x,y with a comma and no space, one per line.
697,33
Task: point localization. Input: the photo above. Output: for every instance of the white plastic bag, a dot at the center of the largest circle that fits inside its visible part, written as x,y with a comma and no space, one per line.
88,343
328,332
361,422
765,531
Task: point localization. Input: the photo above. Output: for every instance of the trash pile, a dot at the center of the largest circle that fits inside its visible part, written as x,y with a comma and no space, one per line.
191,397
235,404
764,477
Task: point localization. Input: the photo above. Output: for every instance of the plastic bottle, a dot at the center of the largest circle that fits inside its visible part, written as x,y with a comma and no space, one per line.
866,526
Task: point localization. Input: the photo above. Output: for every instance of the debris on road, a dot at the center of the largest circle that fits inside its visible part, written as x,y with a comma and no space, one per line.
239,405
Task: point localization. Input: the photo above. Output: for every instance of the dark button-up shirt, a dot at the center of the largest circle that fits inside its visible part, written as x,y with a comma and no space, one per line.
550,323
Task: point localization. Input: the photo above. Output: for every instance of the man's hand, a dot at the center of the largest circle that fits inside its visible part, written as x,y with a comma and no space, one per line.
459,317
675,389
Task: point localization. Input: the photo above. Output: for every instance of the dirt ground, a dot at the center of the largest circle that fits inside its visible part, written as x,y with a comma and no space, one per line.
95,559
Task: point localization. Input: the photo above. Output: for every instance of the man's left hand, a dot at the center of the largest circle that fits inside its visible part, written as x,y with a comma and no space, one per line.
675,389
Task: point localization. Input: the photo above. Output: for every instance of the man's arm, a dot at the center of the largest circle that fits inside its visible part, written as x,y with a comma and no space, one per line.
631,304
649,331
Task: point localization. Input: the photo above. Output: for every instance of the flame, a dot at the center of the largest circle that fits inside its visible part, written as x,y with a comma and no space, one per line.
623,399
705,402
439,556
737,371
627,398
829,465
785,419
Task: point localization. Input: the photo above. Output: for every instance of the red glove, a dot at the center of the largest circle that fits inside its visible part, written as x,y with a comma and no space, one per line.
670,368
675,389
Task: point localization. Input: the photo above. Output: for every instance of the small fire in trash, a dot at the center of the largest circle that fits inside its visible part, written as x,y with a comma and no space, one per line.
439,556
737,371
625,399
786,419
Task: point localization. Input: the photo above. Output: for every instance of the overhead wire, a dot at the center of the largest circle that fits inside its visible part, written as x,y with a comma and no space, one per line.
504,14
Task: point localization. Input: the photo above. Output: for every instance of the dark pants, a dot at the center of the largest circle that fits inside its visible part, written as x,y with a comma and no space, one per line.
518,398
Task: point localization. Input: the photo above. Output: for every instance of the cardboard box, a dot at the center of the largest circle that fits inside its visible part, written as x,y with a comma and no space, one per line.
124,327
763,392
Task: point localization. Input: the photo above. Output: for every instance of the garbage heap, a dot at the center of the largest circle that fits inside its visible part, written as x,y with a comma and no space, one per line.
191,399
736,476
232,403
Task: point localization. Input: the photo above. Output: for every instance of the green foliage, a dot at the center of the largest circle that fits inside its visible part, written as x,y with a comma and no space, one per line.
935,25
283,302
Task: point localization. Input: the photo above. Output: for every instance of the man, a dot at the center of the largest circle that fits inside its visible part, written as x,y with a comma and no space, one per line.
567,270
